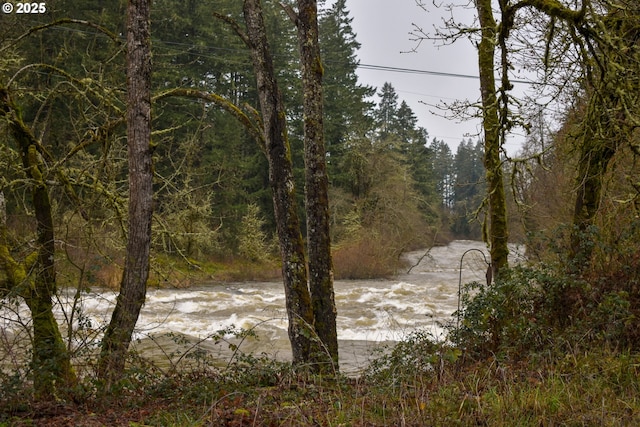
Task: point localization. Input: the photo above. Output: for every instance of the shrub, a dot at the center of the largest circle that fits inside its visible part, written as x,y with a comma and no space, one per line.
534,309
418,355
519,314
253,242
365,258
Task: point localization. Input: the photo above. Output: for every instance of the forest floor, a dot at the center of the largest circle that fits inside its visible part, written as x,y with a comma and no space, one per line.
595,388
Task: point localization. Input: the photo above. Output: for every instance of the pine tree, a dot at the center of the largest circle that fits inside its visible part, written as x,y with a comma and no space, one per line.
386,113
468,189
443,170
346,105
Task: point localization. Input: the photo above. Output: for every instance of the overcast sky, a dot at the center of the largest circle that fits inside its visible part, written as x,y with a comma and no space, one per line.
383,28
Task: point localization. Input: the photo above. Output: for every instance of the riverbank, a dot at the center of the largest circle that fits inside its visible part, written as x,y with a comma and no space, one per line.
358,260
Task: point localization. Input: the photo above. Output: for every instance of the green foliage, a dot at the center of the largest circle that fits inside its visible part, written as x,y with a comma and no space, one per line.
528,350
469,190
207,168
185,225
380,208
387,112
416,356
253,242
442,166
347,106
541,309
504,318
12,391
417,382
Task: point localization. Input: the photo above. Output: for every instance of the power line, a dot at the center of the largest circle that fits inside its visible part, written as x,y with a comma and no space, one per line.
414,71
429,72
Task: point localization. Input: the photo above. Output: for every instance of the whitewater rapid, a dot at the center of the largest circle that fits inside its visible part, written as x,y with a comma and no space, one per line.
370,312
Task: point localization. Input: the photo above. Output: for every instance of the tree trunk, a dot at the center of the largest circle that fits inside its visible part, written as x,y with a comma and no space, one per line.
586,206
596,151
50,362
136,269
316,184
298,300
611,118
498,235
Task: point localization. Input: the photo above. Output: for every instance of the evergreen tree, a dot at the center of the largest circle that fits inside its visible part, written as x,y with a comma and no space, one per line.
468,189
199,143
411,142
420,160
387,112
405,125
443,170
346,102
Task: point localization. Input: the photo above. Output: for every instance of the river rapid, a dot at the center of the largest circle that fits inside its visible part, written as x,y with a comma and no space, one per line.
371,313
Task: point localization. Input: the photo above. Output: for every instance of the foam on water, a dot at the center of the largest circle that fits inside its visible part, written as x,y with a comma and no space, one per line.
369,311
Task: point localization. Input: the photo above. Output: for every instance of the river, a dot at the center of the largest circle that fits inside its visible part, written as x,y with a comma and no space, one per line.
371,313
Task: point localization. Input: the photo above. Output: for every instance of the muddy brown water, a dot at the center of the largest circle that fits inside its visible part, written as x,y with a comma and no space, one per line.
371,313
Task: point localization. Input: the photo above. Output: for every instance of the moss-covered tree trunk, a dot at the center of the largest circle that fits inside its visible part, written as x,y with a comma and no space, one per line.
136,269
606,126
611,120
278,151
498,236
317,185
594,158
50,362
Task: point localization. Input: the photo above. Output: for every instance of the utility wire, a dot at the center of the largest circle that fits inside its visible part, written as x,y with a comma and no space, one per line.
414,71
429,72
